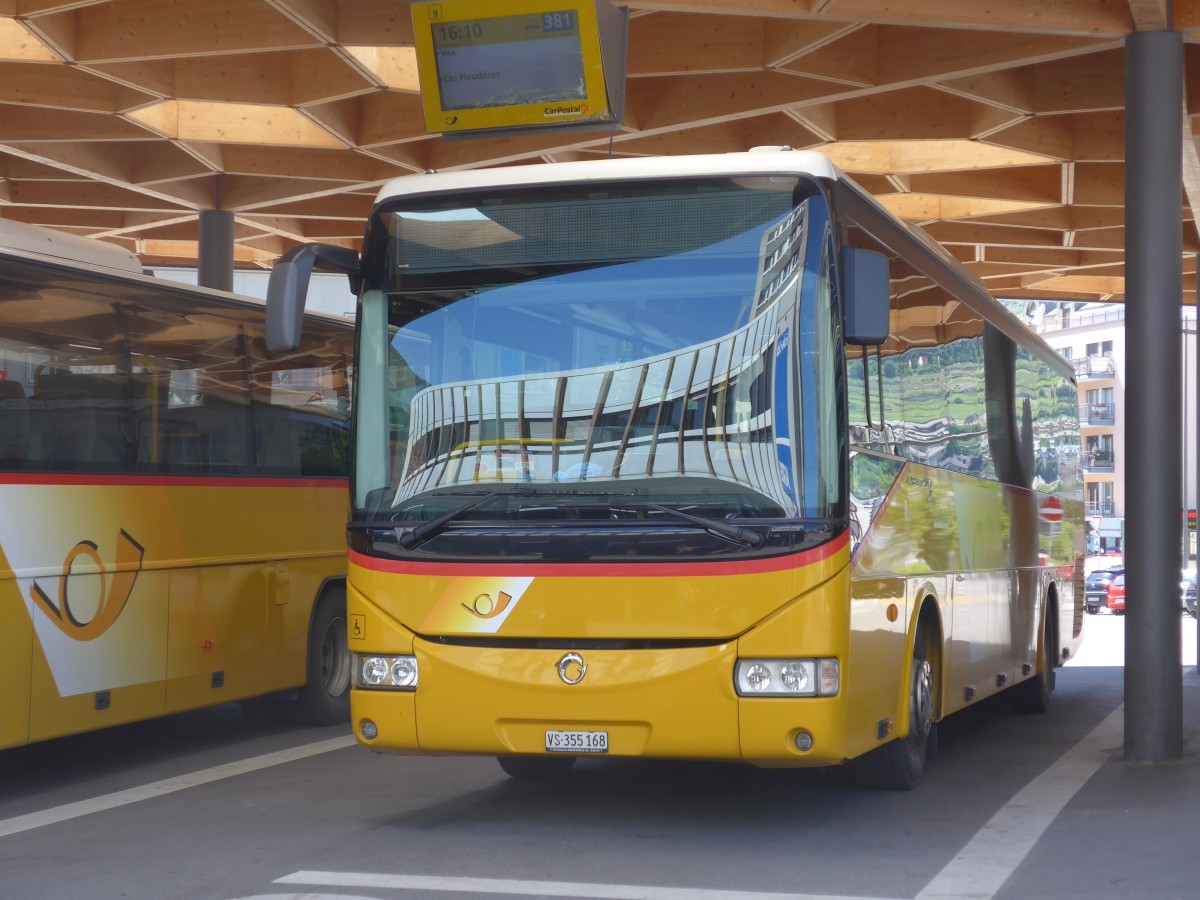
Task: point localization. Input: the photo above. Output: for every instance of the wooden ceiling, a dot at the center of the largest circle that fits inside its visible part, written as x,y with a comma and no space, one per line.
998,126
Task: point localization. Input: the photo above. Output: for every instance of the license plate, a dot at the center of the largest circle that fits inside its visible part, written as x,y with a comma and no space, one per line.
576,741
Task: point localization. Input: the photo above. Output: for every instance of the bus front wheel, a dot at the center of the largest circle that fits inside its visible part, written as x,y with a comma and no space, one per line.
900,764
325,697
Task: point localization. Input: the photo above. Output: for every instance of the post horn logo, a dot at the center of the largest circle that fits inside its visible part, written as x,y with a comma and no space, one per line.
115,588
484,607
572,668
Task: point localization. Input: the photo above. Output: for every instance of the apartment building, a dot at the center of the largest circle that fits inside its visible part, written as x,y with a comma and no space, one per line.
1092,337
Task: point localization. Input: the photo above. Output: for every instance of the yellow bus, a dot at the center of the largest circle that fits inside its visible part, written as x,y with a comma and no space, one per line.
174,496
784,484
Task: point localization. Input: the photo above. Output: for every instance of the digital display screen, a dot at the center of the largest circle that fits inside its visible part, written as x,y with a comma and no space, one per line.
509,60
539,64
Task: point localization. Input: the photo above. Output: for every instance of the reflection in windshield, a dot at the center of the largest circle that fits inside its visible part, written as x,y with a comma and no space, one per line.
666,377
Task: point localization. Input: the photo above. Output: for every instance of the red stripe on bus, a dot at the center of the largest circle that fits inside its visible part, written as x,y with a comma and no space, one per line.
601,570
250,481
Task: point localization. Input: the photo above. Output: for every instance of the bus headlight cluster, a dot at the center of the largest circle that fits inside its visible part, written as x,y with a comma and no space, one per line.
787,677
397,673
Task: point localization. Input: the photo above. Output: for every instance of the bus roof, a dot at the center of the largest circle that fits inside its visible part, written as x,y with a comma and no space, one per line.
45,249
18,238
765,161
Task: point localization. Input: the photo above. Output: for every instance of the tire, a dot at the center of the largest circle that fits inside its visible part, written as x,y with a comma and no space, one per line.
325,697
541,768
1033,695
900,764
1093,610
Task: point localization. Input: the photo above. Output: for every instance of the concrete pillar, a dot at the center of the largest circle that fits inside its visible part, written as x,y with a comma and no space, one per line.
216,249
1154,295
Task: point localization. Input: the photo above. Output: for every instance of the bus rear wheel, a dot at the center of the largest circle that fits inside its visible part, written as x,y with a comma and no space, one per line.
1033,696
900,764
325,697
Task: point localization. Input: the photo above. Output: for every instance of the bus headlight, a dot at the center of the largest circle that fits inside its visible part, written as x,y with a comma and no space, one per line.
787,677
397,673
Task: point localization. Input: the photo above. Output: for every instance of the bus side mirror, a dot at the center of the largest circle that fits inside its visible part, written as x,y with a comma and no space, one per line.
867,295
288,287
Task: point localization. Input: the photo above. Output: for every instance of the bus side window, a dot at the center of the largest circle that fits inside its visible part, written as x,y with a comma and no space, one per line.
84,421
14,425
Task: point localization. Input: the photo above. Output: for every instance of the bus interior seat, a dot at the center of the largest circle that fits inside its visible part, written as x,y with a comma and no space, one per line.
81,420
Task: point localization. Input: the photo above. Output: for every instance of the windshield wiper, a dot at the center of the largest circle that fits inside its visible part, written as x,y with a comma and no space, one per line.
743,536
408,538
411,537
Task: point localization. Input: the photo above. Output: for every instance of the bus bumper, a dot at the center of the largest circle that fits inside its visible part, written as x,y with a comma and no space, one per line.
675,703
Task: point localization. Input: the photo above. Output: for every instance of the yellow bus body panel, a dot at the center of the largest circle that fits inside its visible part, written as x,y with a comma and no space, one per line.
501,697
980,557
129,598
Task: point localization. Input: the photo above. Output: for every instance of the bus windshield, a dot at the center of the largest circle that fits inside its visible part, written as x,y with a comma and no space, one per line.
584,349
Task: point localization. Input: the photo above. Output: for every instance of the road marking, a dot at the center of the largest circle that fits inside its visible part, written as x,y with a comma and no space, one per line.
56,814
520,888
989,859
977,872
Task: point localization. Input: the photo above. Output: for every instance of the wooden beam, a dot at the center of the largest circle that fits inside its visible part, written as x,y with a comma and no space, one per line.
155,76
318,17
321,76
19,123
930,207
87,196
237,123
1089,83
997,235
387,67
17,43
1068,17
56,87
58,217
679,45
1032,184
389,117
906,55
909,157
917,113
1050,136
56,31
90,161
652,103
1100,184
138,29
1150,15
244,194
160,162
41,7
304,163
1065,218
787,40
1098,136
375,23
289,227
233,78
851,58
1009,89
344,207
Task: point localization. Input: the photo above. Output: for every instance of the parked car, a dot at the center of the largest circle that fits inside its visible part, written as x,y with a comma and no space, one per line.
1116,595
1186,577
1189,597
1095,589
